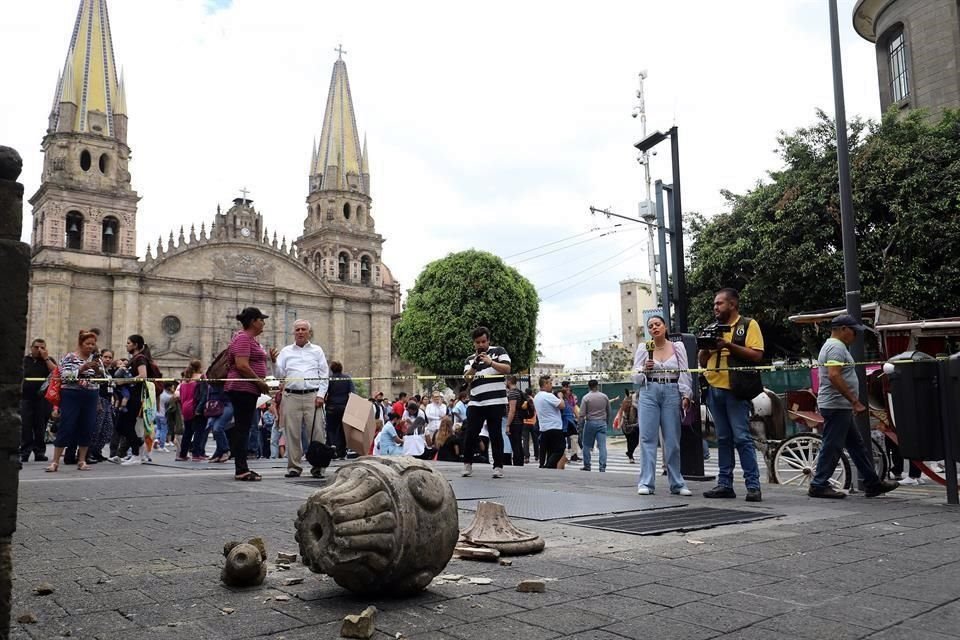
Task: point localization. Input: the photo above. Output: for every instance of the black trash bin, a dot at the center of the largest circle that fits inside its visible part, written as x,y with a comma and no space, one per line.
915,400
951,394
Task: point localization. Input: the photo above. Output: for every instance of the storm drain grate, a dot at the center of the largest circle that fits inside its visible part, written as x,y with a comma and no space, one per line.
653,523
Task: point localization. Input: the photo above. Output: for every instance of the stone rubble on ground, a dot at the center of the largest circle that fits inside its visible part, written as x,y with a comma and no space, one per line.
359,626
532,586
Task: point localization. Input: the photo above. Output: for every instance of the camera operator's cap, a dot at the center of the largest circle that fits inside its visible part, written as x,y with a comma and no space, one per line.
251,313
846,320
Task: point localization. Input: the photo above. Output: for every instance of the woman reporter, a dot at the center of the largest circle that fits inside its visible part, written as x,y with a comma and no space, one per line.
79,397
245,383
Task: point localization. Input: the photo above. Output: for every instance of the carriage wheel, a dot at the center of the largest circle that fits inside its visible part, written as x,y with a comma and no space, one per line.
880,461
796,460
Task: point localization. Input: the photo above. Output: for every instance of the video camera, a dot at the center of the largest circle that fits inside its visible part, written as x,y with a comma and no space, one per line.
708,336
477,363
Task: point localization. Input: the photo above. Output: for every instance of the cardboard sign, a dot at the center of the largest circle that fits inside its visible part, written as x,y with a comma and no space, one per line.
360,425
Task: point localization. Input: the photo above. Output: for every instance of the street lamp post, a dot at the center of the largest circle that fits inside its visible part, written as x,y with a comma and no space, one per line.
851,273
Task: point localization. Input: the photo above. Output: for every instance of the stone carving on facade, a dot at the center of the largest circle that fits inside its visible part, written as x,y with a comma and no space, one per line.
384,525
243,266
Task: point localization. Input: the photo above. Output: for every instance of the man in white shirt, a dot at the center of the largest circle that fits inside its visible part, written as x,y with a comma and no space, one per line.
549,414
303,368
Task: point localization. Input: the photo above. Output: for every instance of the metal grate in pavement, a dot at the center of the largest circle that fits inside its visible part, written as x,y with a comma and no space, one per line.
544,504
653,523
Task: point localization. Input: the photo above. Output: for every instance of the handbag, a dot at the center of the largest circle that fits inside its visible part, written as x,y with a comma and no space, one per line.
213,408
52,394
630,422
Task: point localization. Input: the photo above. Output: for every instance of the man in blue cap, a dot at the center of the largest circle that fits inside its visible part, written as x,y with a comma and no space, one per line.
838,401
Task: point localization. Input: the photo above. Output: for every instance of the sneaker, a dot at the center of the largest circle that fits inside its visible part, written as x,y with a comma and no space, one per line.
908,482
130,461
292,473
921,480
39,458
885,486
145,457
720,491
497,472
825,492
644,491
114,459
316,472
682,492
467,470
754,495
584,468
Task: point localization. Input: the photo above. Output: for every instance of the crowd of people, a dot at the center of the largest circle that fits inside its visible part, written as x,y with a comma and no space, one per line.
117,402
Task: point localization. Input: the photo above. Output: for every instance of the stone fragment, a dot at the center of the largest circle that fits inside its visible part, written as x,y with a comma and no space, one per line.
27,618
506,563
480,580
244,567
532,586
359,626
227,610
477,553
492,528
286,558
43,589
384,525
289,582
282,598
452,577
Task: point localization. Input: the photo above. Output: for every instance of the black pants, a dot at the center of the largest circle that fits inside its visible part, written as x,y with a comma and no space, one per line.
194,437
515,432
127,425
244,404
335,436
34,413
493,416
633,440
531,433
552,446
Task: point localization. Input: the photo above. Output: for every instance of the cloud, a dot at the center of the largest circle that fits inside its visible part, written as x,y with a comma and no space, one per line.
493,127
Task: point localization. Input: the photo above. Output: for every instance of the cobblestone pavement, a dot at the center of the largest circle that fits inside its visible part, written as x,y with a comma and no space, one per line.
135,552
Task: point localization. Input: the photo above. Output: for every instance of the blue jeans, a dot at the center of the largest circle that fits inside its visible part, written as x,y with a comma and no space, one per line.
594,431
660,412
161,429
839,430
219,426
731,417
275,434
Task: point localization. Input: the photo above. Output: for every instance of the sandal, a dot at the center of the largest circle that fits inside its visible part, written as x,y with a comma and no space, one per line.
54,466
249,476
83,466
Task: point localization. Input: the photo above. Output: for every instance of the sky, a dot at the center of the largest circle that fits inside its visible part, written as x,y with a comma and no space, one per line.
493,129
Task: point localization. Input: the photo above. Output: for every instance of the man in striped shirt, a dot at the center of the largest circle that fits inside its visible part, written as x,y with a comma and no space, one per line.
485,371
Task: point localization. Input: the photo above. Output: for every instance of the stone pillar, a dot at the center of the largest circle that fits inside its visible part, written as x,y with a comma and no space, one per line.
381,366
126,309
50,292
15,266
337,330
208,349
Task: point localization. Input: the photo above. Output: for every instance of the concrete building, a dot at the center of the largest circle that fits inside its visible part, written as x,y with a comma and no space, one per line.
918,51
635,298
538,369
182,296
613,357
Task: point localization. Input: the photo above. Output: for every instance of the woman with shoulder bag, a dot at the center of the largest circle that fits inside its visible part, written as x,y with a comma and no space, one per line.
245,383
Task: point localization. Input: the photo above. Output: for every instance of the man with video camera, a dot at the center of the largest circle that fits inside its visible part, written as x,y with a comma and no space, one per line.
732,341
485,371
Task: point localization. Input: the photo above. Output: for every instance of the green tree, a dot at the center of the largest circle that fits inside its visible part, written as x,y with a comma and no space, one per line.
780,244
456,294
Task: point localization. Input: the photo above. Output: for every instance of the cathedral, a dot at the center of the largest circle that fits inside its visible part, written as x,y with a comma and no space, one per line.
183,294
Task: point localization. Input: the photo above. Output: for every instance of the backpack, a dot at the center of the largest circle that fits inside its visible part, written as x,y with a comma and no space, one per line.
220,366
745,385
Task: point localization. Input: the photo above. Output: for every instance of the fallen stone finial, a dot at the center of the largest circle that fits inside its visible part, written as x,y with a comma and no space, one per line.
492,528
246,564
384,525
359,626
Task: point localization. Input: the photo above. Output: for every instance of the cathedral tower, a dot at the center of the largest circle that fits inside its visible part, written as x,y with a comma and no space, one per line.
339,241
85,206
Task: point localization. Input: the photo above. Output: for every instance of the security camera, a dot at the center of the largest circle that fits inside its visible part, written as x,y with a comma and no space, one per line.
634,114
643,74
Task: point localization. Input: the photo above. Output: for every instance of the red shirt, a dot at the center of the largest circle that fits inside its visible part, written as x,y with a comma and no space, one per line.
242,346
399,407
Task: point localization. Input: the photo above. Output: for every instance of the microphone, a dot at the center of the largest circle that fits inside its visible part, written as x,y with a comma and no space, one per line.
651,345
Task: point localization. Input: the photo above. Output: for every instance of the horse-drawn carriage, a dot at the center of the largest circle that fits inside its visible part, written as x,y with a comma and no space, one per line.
785,422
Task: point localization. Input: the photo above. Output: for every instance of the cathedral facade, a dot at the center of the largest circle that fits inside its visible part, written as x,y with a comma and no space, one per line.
182,296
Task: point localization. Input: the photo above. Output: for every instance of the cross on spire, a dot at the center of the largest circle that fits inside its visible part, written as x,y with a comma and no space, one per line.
244,193
340,51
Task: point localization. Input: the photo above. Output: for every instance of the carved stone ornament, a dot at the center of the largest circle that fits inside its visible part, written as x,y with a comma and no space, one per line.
383,526
245,564
243,266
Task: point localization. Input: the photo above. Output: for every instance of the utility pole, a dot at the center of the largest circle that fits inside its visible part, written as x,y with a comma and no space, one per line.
640,110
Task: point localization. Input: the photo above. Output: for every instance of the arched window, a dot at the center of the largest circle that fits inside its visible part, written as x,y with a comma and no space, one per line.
318,263
898,65
346,210
365,270
85,160
74,231
110,235
104,163
343,266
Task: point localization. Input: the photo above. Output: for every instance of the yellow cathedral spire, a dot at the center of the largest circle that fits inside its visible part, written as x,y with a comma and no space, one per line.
338,155
89,78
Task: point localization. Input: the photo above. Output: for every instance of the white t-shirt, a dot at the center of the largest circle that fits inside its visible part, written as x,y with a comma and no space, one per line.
435,413
549,409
